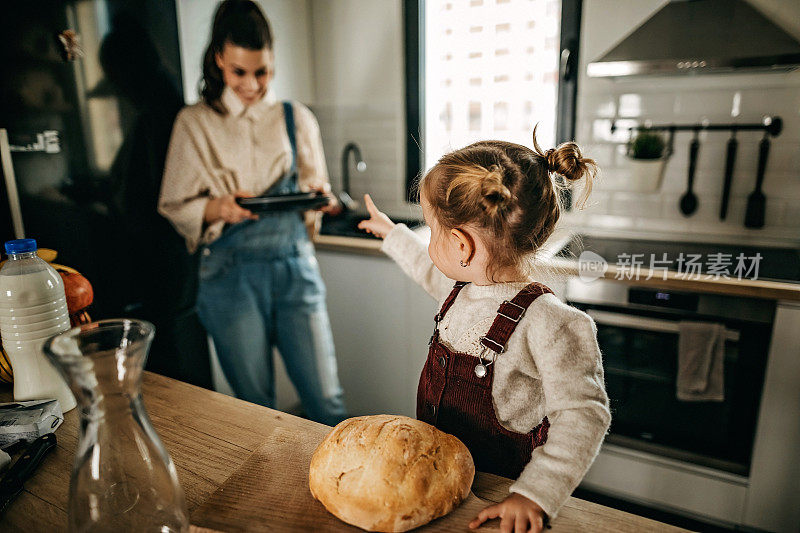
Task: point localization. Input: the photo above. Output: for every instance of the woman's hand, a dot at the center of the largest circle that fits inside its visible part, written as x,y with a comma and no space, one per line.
517,513
225,208
333,207
378,224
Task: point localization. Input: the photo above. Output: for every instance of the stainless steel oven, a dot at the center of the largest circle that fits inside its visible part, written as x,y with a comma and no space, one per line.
637,330
734,462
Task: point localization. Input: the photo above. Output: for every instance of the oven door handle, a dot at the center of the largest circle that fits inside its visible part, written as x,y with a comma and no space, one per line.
645,323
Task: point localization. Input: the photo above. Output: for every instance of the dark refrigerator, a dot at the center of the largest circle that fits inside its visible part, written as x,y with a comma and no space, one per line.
88,95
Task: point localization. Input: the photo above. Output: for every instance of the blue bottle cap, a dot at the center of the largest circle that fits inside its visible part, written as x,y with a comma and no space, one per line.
20,246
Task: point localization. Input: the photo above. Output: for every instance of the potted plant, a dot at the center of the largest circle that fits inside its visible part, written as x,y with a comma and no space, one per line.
646,152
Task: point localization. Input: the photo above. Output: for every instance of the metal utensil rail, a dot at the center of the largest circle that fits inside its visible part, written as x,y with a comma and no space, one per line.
771,124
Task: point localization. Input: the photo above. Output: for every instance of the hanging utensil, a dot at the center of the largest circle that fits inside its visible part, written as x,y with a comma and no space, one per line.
756,202
688,202
730,160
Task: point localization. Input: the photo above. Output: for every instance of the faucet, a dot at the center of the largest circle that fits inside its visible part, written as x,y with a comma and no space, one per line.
361,166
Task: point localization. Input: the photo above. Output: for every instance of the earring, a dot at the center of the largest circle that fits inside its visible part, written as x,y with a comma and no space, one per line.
463,264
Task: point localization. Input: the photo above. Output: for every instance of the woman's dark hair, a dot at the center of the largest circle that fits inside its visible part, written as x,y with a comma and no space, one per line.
238,22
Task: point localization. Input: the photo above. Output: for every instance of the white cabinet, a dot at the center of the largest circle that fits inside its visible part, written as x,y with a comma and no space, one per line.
381,323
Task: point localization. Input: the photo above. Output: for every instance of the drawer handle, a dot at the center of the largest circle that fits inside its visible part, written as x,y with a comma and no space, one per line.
644,323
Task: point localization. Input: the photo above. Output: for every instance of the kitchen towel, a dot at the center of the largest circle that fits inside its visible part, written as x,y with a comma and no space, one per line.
701,358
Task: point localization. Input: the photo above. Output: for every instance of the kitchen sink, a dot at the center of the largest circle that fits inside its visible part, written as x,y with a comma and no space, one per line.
346,225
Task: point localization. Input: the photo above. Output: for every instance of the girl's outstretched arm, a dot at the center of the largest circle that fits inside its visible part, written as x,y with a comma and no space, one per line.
379,224
408,250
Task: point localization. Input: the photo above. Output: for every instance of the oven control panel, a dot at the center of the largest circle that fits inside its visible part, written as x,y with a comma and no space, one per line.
663,298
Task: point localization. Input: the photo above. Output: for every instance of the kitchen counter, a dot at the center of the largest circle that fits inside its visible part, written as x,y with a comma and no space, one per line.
210,435
549,265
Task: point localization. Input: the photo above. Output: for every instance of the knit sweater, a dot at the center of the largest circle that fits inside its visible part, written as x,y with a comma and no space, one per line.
552,367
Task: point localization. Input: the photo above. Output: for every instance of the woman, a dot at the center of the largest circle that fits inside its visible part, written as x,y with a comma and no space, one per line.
260,285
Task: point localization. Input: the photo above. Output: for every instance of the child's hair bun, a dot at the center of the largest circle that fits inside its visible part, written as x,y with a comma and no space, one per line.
481,186
494,193
567,161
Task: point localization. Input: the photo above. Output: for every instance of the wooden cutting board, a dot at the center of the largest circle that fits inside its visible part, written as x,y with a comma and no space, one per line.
270,492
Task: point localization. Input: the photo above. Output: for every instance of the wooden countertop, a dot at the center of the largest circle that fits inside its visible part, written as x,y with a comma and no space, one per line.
210,435
771,290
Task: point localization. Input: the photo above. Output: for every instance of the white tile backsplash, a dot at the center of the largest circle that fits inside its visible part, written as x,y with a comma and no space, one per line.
374,129
791,214
723,98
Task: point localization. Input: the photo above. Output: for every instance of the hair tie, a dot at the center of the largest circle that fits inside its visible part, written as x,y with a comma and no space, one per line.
549,157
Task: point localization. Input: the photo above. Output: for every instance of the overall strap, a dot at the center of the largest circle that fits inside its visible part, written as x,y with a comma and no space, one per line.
445,306
288,116
449,301
508,316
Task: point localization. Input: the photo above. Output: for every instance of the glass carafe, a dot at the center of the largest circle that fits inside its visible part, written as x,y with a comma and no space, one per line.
122,479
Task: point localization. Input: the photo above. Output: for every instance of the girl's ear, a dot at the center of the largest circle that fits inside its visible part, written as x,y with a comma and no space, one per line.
465,243
218,60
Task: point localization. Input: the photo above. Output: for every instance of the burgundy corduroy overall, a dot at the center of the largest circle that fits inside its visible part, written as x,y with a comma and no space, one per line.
453,398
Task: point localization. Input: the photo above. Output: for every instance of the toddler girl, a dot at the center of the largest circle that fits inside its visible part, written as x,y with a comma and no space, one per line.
512,371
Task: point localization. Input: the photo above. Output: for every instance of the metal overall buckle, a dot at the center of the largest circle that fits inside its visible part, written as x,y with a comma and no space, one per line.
511,318
481,369
436,319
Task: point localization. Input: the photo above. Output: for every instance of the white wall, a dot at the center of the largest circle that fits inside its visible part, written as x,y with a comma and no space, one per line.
291,28
688,99
360,89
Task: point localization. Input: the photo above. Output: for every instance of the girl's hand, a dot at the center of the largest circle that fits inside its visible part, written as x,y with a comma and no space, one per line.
225,208
517,513
378,224
333,206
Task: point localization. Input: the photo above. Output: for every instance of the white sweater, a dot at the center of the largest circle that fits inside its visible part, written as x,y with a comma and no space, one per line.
552,367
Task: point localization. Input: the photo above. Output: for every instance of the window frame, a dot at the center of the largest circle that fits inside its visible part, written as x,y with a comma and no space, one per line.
414,45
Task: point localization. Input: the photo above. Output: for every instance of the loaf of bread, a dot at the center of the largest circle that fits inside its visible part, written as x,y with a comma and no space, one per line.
390,473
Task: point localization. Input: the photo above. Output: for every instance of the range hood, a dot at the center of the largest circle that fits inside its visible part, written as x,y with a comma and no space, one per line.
701,36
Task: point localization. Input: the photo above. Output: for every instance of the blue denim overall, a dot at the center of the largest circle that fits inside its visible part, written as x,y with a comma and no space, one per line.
260,287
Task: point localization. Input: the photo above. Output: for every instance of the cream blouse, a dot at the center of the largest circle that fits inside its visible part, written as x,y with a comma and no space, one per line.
212,155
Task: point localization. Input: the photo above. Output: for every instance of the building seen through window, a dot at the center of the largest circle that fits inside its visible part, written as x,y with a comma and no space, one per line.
513,44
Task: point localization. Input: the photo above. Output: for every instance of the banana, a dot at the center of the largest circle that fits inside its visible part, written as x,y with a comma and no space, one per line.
6,374
64,268
47,254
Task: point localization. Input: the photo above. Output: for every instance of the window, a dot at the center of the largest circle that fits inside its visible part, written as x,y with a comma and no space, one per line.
474,116
500,116
446,116
494,84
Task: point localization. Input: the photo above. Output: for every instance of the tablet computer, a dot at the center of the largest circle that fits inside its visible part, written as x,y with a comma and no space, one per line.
302,201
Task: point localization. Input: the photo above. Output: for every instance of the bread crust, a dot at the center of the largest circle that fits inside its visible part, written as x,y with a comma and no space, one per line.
390,473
